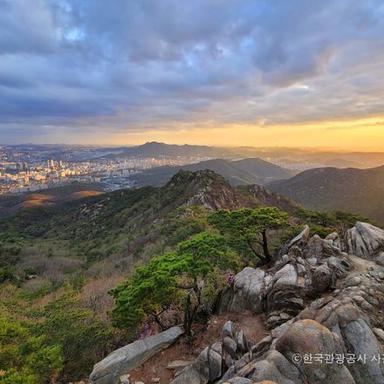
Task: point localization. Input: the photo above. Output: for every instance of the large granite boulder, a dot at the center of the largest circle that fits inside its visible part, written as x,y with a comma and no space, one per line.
308,338
124,359
284,295
334,240
348,315
318,249
276,367
206,368
365,240
247,292
323,279
286,276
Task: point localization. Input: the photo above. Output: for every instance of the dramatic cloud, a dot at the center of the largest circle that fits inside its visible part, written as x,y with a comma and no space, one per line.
70,66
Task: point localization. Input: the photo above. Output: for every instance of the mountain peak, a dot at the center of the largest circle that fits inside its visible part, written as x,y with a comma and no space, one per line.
204,187
202,177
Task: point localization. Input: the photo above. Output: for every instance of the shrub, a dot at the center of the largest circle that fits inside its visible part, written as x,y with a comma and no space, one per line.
182,278
25,358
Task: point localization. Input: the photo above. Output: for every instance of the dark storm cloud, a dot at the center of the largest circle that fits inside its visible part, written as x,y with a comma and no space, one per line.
137,64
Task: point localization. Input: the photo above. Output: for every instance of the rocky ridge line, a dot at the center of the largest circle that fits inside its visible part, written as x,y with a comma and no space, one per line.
322,301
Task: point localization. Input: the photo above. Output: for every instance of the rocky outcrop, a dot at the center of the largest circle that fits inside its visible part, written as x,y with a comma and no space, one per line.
247,292
284,295
124,359
214,360
324,309
365,240
332,340
299,240
307,267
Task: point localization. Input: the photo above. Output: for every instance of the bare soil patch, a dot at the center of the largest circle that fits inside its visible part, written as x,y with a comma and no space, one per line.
156,367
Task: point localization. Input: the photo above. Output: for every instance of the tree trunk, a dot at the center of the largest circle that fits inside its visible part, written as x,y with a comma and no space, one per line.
188,316
158,321
262,259
191,310
267,255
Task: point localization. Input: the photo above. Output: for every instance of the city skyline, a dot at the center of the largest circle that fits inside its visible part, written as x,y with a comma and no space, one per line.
221,72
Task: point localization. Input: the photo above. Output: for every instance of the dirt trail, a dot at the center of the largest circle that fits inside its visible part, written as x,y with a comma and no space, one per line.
253,327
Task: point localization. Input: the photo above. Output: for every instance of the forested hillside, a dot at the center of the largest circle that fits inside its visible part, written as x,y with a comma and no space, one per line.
63,267
353,190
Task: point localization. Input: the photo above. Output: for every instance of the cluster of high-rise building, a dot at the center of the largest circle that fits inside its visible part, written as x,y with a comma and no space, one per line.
21,176
30,168
16,177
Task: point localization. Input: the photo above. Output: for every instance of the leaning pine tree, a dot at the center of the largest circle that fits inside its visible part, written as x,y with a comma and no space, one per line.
246,229
184,278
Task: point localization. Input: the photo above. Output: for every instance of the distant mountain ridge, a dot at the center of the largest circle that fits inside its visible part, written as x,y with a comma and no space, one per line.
156,149
354,190
237,172
293,158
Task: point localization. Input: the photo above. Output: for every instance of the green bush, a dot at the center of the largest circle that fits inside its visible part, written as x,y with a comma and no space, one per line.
83,338
25,358
6,274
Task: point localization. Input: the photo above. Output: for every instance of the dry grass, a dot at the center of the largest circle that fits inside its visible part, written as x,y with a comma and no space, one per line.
37,200
96,298
83,194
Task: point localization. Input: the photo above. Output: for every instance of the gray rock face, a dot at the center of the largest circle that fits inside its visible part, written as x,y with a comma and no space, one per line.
299,240
286,276
361,341
214,360
339,264
309,338
380,259
277,368
124,359
319,249
247,291
365,240
206,368
322,279
334,240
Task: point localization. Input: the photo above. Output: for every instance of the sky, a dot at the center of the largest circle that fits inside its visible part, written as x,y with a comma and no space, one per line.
217,72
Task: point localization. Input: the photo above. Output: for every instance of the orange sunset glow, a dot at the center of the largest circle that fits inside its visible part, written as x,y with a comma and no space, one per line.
224,73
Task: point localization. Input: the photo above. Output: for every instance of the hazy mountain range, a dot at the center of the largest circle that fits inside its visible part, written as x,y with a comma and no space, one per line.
293,158
353,190
239,172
